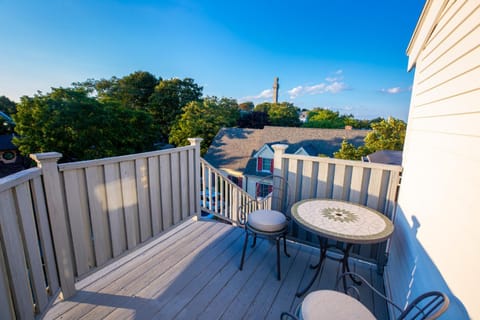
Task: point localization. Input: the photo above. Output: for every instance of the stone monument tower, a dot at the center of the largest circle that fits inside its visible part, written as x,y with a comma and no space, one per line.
275,90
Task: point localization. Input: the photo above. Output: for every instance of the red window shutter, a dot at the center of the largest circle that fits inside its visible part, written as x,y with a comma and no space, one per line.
257,189
271,167
240,182
270,189
259,164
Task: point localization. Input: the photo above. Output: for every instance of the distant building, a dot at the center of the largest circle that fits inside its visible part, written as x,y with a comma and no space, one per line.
276,86
10,159
303,116
385,156
246,155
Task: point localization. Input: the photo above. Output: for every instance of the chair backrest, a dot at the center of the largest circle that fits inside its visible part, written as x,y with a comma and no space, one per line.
429,305
274,193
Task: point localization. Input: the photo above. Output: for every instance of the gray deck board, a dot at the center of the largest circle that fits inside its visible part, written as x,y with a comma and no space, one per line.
191,272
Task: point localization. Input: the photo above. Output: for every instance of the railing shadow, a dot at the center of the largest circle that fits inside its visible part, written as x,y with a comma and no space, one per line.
411,271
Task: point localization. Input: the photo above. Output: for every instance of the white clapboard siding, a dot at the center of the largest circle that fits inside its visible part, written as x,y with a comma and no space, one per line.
17,265
441,178
30,235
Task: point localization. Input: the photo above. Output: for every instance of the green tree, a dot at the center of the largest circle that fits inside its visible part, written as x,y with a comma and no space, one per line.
7,106
167,101
325,118
263,107
385,135
284,114
132,91
254,120
79,126
246,106
204,119
348,151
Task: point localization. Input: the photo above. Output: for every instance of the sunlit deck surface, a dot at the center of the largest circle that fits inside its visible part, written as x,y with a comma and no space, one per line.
191,272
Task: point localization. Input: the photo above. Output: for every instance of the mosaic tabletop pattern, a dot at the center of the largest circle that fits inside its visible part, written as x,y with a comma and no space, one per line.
343,221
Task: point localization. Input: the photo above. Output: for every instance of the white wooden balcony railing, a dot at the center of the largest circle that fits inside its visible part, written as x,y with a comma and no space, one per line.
70,219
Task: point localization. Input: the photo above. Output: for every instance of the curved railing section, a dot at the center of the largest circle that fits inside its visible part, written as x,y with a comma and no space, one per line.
219,196
29,281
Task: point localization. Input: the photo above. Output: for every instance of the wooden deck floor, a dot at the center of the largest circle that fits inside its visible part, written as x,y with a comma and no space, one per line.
191,272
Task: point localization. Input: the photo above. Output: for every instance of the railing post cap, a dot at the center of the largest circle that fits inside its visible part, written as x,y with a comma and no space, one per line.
195,141
46,156
280,147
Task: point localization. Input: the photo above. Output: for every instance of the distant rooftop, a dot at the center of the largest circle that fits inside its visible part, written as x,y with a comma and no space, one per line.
386,157
234,147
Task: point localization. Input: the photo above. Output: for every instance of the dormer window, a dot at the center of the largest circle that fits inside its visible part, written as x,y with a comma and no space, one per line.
264,165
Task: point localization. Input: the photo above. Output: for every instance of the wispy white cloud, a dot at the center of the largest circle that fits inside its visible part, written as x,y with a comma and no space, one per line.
267,93
395,90
333,84
320,88
337,76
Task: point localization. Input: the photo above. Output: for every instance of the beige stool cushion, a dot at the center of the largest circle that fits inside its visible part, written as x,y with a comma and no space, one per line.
267,220
328,304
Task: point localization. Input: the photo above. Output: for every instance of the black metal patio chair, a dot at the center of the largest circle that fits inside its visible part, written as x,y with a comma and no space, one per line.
266,216
329,304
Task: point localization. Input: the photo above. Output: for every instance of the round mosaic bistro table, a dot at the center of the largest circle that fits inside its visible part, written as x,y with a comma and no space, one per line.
342,221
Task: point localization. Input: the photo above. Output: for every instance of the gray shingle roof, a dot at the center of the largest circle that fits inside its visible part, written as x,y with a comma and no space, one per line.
386,156
232,148
6,142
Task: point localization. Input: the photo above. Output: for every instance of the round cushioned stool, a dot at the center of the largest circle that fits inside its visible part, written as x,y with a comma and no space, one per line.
329,304
266,223
267,220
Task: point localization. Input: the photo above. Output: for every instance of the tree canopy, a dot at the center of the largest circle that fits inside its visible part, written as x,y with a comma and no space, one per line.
246,106
7,106
204,119
140,112
385,135
284,114
167,101
326,118
79,126
280,114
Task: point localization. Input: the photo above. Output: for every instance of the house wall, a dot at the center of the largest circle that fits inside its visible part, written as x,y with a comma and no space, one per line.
436,245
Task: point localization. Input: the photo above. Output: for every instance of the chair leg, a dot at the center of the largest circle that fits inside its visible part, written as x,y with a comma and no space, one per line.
277,240
254,240
243,250
285,246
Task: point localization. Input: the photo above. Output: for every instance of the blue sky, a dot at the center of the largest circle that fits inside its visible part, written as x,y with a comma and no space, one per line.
348,56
